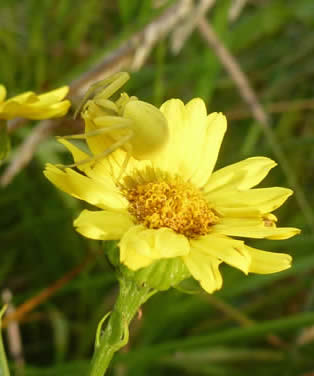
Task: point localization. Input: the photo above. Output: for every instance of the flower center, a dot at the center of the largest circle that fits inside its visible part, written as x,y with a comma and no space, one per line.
176,205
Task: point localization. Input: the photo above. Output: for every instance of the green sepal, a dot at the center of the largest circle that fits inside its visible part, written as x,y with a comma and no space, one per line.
112,251
5,144
162,274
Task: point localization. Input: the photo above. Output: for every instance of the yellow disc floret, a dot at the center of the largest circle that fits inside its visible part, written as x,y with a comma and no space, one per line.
176,205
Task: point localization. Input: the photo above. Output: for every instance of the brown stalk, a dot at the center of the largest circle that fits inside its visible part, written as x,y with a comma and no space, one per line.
38,299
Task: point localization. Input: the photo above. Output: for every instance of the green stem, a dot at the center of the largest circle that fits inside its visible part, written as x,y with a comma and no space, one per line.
131,297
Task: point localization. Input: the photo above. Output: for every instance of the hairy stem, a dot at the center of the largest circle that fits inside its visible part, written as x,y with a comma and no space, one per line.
115,336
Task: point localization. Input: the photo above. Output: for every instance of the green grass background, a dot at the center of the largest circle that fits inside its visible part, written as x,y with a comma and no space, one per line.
48,43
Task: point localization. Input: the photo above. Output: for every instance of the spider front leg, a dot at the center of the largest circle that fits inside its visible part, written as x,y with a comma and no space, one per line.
110,85
110,124
116,145
106,105
108,151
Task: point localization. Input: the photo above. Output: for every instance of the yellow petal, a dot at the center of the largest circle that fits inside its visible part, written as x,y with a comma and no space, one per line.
34,107
225,249
253,228
103,225
54,96
241,203
268,262
134,260
194,140
134,251
3,93
29,107
77,154
27,97
216,128
205,269
169,159
79,186
165,243
39,111
96,170
153,244
241,175
193,136
11,109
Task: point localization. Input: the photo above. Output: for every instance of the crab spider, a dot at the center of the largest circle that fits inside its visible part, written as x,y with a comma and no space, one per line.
137,127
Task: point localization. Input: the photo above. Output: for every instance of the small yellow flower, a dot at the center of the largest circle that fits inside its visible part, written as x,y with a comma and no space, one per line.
32,106
175,206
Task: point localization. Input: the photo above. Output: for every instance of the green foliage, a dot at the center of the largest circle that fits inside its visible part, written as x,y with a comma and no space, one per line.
47,43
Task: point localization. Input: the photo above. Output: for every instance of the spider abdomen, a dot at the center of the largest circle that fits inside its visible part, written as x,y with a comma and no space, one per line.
149,126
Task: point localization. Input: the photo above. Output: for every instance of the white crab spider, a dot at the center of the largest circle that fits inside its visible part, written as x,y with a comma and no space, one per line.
144,127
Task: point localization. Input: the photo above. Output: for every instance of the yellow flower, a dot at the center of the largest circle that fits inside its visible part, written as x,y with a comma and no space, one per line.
175,206
32,106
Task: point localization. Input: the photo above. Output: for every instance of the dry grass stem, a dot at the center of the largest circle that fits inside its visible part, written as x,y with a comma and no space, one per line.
15,345
236,8
155,31
184,30
277,107
233,68
306,336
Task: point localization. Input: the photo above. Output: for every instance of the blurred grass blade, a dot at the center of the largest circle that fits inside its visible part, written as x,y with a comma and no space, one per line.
4,369
151,353
5,144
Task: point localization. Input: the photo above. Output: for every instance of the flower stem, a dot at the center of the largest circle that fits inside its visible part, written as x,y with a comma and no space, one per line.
131,297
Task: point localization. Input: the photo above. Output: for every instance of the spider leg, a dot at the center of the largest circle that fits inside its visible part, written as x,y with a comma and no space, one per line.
125,162
124,99
108,121
95,132
106,105
108,151
112,84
